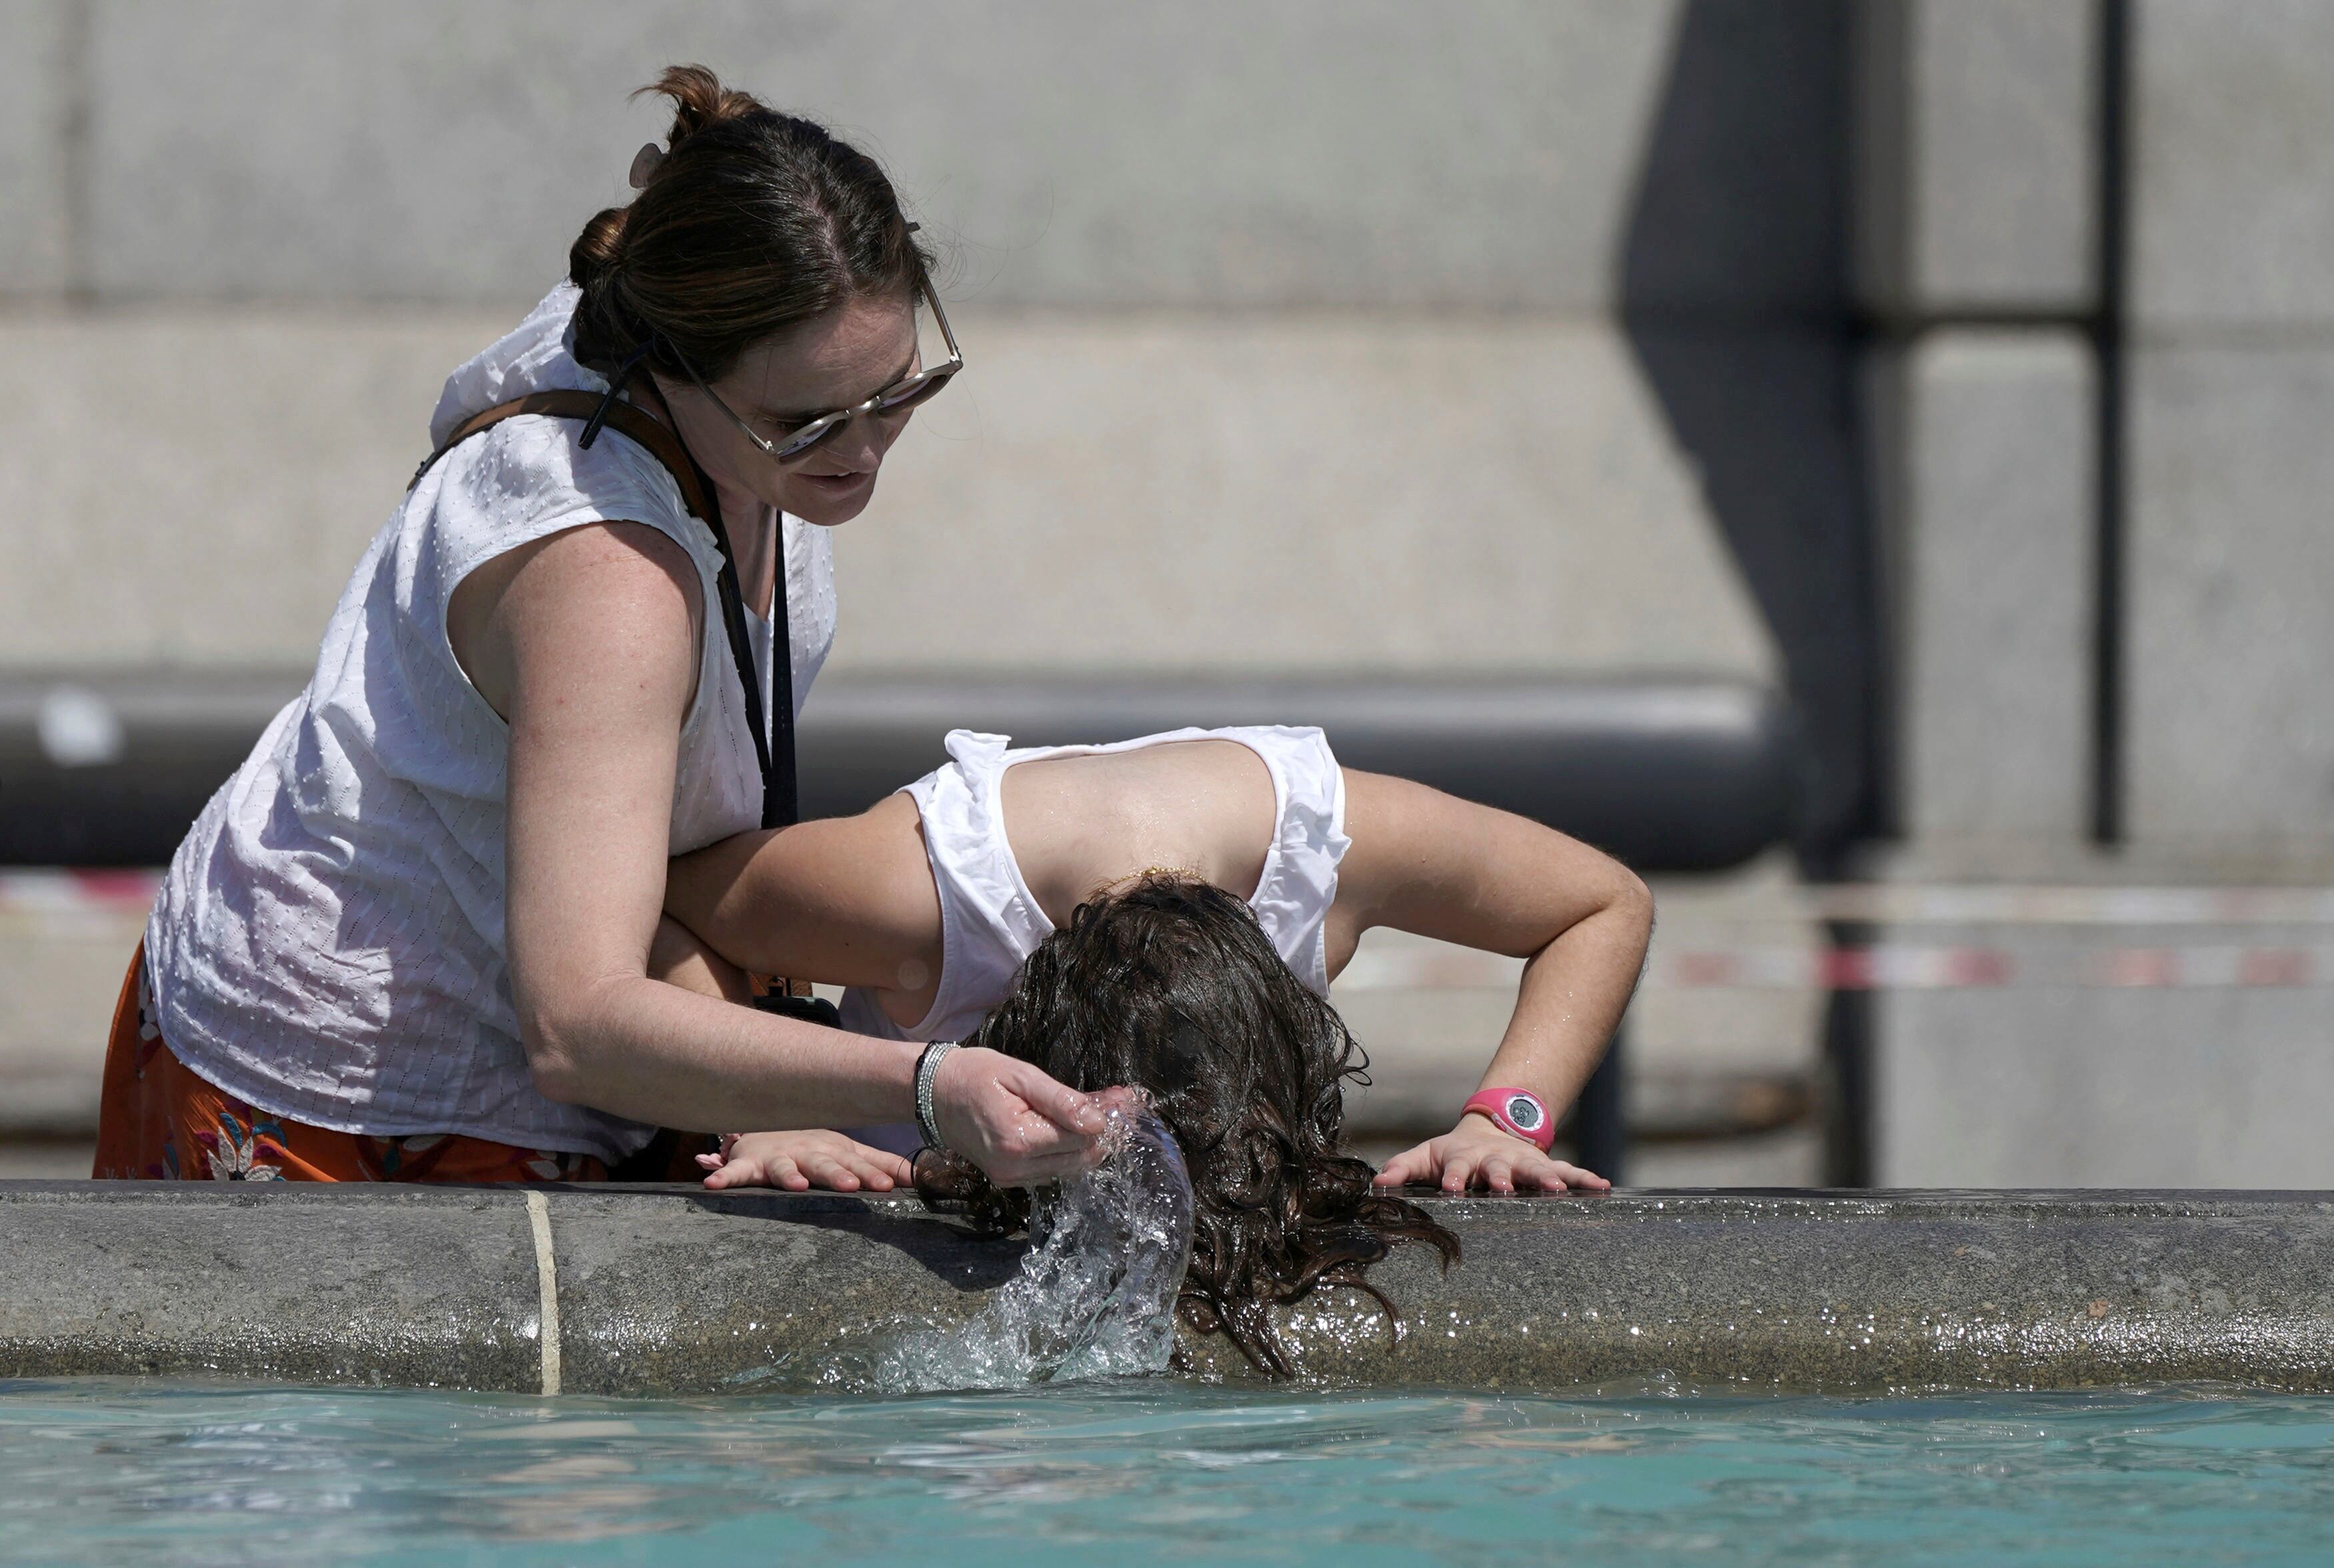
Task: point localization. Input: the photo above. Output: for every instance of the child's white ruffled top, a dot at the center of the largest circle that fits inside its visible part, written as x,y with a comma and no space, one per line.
990,922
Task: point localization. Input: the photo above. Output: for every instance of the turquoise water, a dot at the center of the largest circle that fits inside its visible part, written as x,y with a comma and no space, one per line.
105,1471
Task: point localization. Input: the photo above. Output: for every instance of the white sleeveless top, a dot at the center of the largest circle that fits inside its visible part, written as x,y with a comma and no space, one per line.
990,921
328,944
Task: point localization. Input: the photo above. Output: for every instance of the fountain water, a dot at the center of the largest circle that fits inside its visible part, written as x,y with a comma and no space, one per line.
1096,1295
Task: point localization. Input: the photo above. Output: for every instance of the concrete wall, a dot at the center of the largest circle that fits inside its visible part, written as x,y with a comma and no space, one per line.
1990,510
1977,219
1202,286
2054,1083
1976,157
2229,744
38,105
1301,492
191,484
1976,231
1212,154
2233,224
1643,191
60,974
1544,520
1301,152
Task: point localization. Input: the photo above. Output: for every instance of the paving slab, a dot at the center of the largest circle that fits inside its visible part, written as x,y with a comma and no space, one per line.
269,447
1989,500
1220,152
1976,157
2232,161
2229,626
38,84
1543,519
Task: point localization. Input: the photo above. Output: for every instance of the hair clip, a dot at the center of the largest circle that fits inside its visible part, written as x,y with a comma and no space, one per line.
644,164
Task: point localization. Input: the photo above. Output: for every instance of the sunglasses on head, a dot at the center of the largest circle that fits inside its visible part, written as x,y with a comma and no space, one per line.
896,399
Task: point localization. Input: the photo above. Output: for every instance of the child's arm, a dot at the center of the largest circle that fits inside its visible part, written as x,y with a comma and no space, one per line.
846,900
798,1161
1428,862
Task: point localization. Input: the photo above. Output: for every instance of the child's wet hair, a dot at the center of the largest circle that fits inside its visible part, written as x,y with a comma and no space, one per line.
1169,985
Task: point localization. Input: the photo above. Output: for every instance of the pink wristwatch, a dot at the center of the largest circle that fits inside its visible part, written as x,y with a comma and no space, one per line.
1519,1112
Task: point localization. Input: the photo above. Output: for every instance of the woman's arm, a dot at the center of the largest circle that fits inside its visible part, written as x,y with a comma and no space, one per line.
586,643
1428,862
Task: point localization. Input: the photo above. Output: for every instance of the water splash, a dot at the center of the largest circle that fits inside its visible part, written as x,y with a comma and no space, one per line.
1096,1295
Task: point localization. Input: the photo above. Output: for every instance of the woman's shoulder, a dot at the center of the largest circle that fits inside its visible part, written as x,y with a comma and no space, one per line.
530,476
535,356
531,473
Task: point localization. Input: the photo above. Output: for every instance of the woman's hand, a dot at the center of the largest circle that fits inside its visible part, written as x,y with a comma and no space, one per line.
1479,1153
1021,1127
798,1161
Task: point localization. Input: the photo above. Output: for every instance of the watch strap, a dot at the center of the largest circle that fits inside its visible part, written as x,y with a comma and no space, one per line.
1518,1111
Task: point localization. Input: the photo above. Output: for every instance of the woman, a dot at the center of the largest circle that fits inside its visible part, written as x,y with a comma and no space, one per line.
409,938
939,904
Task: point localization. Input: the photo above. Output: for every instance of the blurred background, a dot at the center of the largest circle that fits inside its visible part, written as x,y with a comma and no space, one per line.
1866,460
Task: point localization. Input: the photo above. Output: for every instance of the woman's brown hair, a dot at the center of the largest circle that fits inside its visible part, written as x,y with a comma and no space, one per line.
1168,984
752,223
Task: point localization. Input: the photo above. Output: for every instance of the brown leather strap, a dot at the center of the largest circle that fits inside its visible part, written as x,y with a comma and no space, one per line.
774,743
623,418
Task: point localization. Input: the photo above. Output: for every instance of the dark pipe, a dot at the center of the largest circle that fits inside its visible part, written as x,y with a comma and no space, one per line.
1671,775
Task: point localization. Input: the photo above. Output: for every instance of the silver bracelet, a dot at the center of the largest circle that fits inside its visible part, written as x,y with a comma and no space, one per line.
928,1067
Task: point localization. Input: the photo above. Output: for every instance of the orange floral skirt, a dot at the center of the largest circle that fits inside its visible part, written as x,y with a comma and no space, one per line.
160,1120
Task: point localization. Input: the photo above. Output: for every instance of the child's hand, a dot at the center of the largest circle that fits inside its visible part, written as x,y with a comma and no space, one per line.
1479,1153
799,1161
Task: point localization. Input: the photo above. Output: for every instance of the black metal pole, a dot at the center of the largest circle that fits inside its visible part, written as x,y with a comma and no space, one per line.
2113,145
1600,1128
1847,1060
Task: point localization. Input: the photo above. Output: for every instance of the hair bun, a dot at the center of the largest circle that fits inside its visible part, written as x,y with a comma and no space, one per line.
699,101
597,248
604,334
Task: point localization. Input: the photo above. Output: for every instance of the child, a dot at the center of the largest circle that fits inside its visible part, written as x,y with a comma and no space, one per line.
1170,984
929,906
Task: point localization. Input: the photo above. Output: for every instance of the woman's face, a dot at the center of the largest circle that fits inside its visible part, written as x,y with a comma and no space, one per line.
839,360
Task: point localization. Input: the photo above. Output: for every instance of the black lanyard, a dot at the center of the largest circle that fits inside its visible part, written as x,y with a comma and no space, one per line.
774,737
774,740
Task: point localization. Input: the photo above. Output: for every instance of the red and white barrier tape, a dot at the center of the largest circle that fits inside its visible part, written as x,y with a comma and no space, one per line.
1895,967
1999,904
108,893
1886,967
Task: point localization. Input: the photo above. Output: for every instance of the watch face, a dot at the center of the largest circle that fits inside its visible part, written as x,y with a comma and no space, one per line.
1524,1111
